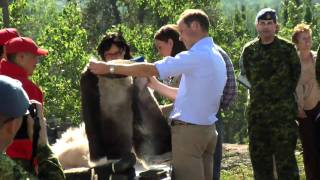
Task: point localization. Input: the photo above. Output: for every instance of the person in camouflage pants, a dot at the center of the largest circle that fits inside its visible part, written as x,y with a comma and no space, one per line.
13,106
271,65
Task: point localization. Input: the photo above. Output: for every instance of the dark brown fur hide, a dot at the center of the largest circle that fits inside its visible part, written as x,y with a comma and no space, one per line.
120,113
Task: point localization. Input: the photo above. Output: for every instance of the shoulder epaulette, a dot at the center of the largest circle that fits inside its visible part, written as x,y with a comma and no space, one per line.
285,41
254,42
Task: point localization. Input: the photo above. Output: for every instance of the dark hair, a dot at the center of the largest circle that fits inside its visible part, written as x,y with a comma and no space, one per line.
190,15
116,39
170,31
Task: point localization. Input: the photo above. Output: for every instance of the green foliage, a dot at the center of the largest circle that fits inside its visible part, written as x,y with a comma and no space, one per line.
174,8
59,73
316,26
232,39
294,14
30,18
18,17
140,39
308,15
284,11
98,16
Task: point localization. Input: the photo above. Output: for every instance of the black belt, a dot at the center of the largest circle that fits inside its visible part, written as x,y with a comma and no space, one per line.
176,122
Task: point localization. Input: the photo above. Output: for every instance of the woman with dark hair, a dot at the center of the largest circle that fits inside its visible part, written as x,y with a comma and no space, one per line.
117,109
168,44
95,96
113,46
167,41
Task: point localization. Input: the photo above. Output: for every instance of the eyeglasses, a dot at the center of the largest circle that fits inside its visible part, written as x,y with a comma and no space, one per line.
117,53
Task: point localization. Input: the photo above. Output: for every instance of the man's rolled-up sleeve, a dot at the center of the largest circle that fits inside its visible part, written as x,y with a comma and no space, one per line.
174,66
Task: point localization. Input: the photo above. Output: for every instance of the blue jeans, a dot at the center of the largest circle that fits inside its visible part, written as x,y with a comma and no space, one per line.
218,151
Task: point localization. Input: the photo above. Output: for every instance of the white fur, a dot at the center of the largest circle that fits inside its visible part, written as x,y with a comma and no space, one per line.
72,148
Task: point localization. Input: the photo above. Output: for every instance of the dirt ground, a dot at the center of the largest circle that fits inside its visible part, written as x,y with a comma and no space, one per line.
235,155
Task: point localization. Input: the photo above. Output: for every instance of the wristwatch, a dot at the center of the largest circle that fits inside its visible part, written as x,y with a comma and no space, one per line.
111,69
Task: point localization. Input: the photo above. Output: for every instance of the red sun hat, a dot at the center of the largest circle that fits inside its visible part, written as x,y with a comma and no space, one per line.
7,34
24,44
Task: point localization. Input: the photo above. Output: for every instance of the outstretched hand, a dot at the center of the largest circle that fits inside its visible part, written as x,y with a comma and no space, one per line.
98,67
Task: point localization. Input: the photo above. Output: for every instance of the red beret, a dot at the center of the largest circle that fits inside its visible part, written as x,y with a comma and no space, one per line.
7,34
24,44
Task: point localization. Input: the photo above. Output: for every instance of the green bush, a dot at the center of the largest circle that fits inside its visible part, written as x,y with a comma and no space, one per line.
58,74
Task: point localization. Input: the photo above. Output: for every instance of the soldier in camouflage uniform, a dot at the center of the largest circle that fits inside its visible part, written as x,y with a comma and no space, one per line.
14,104
272,68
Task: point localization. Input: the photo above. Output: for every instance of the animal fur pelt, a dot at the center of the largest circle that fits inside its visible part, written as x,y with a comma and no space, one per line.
120,113
72,148
72,151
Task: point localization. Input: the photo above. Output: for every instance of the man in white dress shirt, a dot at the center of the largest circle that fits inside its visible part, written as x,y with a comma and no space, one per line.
196,100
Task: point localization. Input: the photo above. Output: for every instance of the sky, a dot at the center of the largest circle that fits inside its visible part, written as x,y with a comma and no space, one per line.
231,4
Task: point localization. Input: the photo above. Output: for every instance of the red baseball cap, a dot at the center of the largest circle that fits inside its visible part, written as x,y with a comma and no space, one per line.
24,44
7,34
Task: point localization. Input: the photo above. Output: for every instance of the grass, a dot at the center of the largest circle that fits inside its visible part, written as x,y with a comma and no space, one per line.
236,164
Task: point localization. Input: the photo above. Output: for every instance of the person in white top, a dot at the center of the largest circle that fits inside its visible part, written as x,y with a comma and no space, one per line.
308,97
196,100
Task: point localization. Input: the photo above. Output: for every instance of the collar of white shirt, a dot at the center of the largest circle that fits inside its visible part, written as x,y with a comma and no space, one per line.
206,41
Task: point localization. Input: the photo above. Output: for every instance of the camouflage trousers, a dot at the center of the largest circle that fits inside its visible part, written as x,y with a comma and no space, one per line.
272,143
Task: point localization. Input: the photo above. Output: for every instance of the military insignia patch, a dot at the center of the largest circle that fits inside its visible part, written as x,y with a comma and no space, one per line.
268,16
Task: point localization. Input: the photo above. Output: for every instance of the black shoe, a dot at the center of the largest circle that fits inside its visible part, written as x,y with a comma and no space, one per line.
153,174
123,166
124,163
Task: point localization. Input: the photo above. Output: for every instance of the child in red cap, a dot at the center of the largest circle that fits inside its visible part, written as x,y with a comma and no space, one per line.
22,57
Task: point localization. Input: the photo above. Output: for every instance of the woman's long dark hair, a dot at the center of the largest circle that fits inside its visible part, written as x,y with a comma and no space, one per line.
170,31
116,39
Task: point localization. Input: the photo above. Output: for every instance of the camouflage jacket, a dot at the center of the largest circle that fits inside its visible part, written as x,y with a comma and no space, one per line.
273,70
49,167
